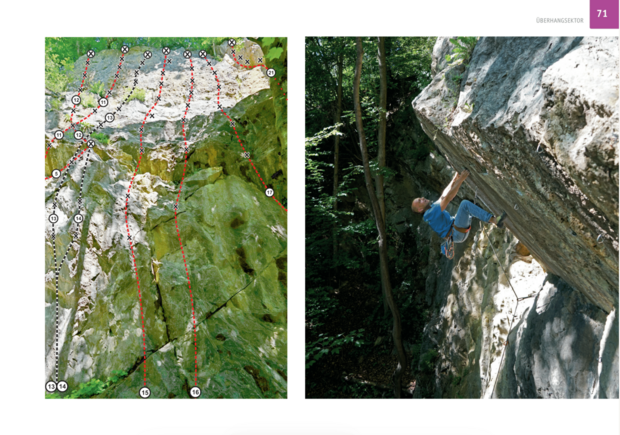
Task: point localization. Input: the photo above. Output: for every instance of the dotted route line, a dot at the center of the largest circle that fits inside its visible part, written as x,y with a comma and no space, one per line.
161,84
56,315
101,124
76,156
176,206
75,124
233,125
78,218
53,219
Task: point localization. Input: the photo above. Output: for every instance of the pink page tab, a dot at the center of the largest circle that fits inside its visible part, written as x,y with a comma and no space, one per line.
603,14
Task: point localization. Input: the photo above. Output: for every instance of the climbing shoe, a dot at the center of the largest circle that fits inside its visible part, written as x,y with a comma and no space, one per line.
501,220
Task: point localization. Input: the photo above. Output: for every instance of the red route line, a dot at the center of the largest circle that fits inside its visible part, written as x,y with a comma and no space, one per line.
127,218
237,134
189,284
81,85
70,161
254,66
92,113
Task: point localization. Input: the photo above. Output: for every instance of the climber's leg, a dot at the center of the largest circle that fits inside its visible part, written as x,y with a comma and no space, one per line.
468,209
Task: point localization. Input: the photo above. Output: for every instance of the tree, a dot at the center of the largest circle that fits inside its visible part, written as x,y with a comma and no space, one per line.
337,116
383,255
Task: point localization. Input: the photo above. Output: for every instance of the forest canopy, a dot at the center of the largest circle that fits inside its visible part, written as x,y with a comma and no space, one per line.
346,316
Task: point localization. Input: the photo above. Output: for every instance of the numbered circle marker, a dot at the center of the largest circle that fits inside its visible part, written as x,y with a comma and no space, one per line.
271,72
145,393
103,102
56,173
90,53
166,51
53,219
90,143
78,135
147,54
124,49
78,218
62,386
269,192
50,386
76,99
202,54
109,117
187,54
59,134
195,392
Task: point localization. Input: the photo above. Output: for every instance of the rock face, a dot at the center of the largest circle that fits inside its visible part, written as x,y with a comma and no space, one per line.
535,120
234,236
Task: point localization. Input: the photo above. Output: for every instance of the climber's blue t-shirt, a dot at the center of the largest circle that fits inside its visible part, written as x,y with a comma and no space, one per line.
440,221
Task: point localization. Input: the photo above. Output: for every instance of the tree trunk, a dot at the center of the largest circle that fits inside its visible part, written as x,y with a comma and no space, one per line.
382,124
381,139
383,258
337,149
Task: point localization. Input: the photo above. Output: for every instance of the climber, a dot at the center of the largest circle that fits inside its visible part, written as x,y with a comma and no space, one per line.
443,224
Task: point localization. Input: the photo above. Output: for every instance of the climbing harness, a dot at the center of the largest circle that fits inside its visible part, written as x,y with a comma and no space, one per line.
447,247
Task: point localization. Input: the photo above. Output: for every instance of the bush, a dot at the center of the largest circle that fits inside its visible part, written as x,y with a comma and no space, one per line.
97,88
138,94
91,388
89,101
325,344
427,361
463,49
101,137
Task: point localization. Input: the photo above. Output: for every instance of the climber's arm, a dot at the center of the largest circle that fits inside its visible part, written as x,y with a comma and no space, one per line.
452,189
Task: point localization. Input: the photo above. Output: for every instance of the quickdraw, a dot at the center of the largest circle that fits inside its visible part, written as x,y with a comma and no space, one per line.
447,247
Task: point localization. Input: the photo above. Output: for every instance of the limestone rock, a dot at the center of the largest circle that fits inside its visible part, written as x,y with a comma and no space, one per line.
535,120
234,236
539,135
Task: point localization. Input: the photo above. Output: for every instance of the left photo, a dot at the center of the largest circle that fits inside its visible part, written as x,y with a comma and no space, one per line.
165,217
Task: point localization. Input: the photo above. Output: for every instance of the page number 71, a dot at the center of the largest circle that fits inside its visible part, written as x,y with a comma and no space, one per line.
604,11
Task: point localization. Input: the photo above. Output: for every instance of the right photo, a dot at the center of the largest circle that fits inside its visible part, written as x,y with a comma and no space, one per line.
462,217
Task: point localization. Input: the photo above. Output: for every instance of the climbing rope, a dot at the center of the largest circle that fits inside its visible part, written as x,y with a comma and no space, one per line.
514,314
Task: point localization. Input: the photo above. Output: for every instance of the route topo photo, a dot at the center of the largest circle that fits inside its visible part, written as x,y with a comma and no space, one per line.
166,218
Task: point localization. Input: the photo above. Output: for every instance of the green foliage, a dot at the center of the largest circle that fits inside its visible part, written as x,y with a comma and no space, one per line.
274,53
326,344
352,225
138,94
56,68
98,88
91,388
89,101
428,360
462,51
319,305
56,104
101,137
62,53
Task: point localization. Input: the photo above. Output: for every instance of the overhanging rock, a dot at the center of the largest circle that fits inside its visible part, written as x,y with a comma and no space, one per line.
535,120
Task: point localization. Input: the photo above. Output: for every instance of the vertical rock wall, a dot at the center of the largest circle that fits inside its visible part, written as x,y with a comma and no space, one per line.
535,120
234,236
